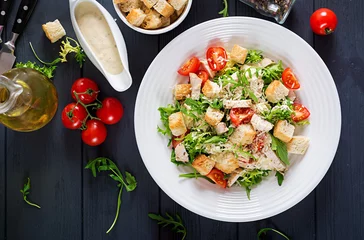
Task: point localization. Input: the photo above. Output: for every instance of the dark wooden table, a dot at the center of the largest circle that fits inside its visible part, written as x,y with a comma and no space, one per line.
77,206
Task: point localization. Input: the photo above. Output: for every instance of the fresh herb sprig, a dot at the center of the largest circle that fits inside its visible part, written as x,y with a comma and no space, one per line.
25,192
281,149
129,182
45,70
272,72
254,56
195,175
249,179
265,230
225,11
177,223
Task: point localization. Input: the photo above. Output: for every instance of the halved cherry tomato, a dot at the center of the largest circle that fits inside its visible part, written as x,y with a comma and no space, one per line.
203,75
216,58
191,66
289,79
323,21
241,115
73,116
218,177
300,112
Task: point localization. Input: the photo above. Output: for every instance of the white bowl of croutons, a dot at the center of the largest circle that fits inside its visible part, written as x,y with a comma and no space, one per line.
152,16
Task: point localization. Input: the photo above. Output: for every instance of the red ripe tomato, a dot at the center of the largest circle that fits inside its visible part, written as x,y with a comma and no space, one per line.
323,21
86,89
241,115
111,111
203,75
300,112
73,116
290,80
175,142
95,133
216,58
191,66
218,177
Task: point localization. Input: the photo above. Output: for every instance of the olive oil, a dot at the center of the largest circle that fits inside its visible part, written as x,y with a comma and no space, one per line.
28,100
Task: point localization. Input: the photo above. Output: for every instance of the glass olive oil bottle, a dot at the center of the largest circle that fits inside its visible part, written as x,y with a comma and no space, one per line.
28,100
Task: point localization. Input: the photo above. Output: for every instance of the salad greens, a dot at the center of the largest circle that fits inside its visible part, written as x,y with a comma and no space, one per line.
251,178
177,223
254,56
272,72
265,230
281,149
45,70
225,11
25,192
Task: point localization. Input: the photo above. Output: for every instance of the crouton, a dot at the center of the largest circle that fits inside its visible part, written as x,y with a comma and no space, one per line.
259,124
195,86
54,30
234,176
210,89
213,116
179,12
238,54
205,66
203,164
298,145
283,130
243,135
221,128
152,20
182,91
165,21
149,3
120,1
177,124
229,104
226,162
127,6
181,153
136,17
164,8
276,91
178,4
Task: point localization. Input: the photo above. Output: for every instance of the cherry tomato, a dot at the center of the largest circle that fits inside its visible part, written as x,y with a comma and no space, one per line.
111,111
73,116
290,80
203,75
175,142
241,115
95,134
216,58
218,177
191,66
300,112
323,21
86,89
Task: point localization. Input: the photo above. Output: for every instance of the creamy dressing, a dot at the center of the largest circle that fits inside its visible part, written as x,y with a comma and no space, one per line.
97,34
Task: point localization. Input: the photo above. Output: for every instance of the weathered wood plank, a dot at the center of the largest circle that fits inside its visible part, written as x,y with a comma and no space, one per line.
340,196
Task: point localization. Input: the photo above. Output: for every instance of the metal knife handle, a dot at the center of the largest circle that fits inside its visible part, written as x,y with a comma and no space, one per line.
4,10
22,17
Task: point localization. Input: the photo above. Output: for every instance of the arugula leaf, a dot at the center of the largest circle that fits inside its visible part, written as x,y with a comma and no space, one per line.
254,56
251,178
280,178
279,112
302,123
104,164
177,224
46,71
225,11
195,175
281,149
216,139
25,192
265,230
272,72
252,96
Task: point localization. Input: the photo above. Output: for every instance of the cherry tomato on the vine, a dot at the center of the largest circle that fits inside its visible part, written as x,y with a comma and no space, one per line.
73,116
95,133
111,111
86,89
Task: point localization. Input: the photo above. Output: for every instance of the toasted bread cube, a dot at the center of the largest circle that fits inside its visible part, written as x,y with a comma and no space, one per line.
196,86
181,153
149,3
120,1
54,30
182,91
243,135
210,89
234,176
165,21
152,20
136,17
164,8
178,4
179,12
283,130
238,54
229,104
259,124
221,128
127,6
203,164
205,66
298,145
276,91
177,124
213,116
226,162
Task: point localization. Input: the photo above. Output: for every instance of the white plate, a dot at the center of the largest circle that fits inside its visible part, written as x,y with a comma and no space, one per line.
318,93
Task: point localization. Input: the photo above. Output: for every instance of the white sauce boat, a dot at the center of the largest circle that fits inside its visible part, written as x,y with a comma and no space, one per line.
120,82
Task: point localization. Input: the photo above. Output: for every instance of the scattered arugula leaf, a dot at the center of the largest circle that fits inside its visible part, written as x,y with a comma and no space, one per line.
195,175
254,56
272,72
25,192
251,178
265,230
281,149
46,71
178,225
129,182
225,11
280,178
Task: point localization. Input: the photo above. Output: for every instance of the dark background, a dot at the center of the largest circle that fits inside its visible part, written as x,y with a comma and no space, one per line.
77,206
